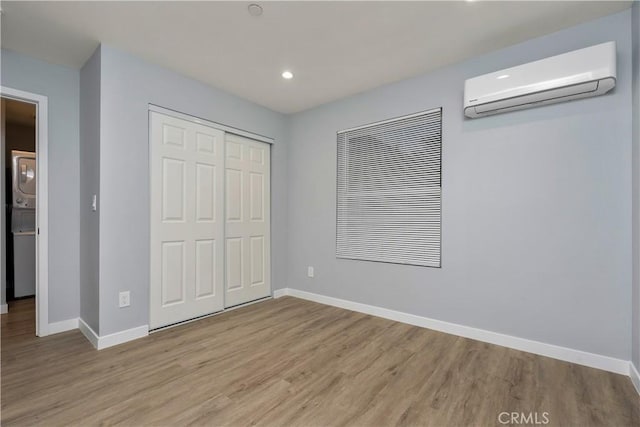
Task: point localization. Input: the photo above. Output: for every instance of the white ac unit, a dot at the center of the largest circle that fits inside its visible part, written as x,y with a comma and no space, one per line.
579,74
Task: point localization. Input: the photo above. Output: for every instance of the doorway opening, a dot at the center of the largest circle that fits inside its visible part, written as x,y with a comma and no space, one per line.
20,205
23,214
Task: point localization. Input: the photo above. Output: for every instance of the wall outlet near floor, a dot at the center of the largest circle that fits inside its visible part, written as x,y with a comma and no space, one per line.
310,271
125,299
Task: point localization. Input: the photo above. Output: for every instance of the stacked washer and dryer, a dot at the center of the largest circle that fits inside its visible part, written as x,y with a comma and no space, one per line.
23,222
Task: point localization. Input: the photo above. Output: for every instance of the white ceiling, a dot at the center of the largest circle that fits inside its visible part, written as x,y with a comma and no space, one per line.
335,49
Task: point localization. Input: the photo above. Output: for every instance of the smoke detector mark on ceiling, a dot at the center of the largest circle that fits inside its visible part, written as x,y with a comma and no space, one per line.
254,9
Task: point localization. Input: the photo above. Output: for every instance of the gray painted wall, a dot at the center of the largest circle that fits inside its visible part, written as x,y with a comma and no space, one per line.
635,321
61,86
89,185
536,205
129,84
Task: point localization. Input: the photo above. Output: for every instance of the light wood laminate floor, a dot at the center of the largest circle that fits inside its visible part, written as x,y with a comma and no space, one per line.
290,362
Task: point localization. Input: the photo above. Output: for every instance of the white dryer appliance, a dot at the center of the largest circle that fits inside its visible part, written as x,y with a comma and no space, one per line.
23,222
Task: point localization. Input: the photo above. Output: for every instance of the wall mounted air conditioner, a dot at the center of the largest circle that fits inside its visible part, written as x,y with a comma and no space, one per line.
579,74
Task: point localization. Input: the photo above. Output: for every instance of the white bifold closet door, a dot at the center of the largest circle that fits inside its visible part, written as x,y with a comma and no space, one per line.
247,231
187,220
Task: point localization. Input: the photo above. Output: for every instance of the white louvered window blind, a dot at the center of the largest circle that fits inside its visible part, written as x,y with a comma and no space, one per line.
389,191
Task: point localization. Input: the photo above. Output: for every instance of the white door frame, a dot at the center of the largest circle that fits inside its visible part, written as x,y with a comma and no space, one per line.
42,199
194,119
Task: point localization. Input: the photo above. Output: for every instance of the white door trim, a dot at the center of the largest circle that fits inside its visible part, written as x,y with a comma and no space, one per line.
42,198
194,119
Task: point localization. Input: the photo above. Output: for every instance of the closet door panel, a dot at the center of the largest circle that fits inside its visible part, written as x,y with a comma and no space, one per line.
247,221
187,220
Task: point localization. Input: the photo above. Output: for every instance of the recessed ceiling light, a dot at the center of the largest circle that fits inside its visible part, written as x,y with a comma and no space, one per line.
254,9
502,76
287,75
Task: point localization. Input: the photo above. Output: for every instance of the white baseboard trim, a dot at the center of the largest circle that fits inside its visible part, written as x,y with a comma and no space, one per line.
4,308
635,376
88,332
280,292
63,326
105,341
122,337
579,357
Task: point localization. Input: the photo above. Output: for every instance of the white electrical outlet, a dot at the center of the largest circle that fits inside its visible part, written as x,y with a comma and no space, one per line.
310,271
125,299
